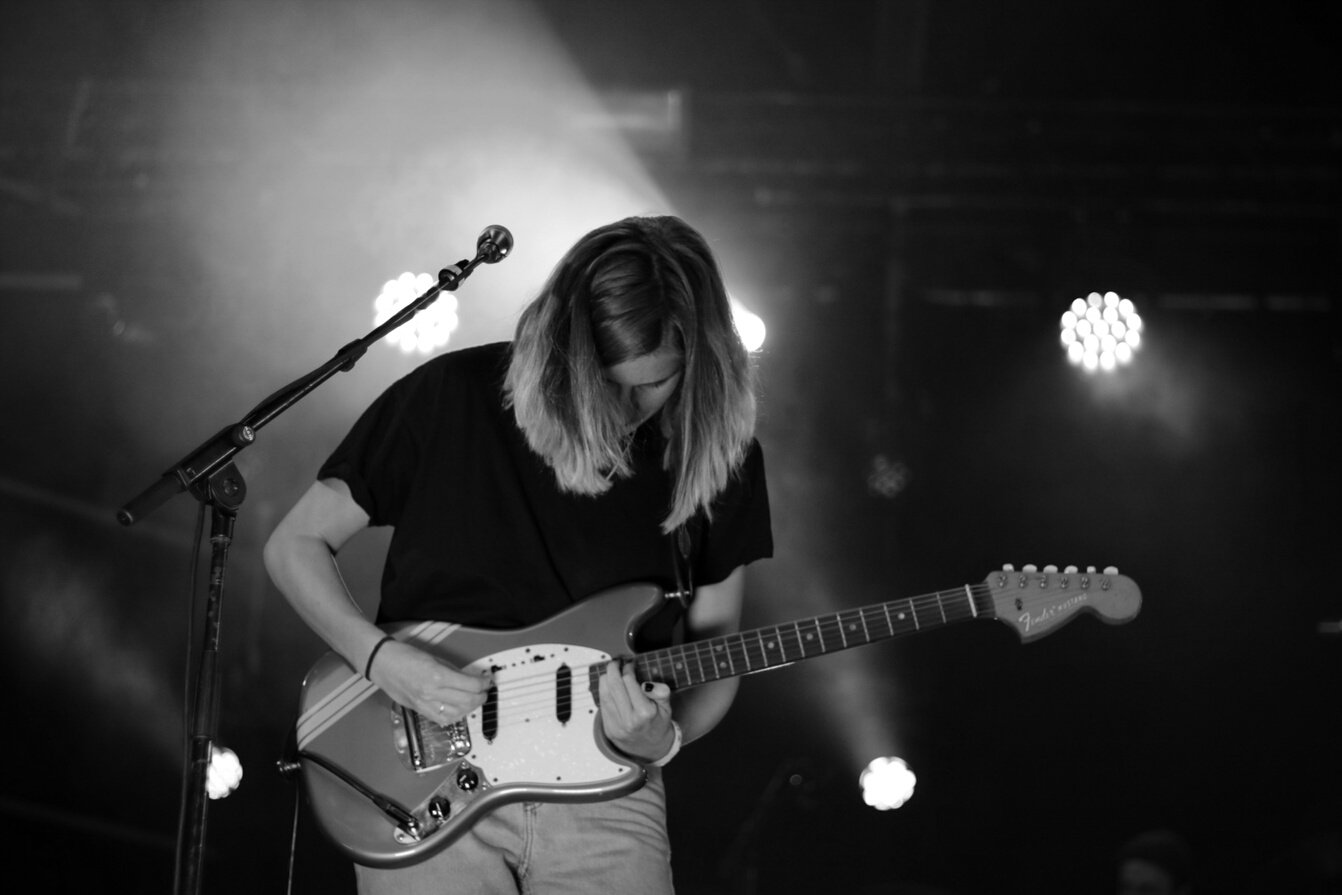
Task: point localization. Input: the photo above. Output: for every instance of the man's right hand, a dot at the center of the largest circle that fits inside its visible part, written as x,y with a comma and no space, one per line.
419,681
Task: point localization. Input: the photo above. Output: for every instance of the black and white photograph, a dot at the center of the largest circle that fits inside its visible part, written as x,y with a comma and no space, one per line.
710,447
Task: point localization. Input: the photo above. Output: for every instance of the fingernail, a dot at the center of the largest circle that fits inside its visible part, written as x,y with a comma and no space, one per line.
647,686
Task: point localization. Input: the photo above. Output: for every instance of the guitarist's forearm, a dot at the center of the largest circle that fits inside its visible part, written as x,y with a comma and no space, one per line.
699,710
716,611
305,572
300,557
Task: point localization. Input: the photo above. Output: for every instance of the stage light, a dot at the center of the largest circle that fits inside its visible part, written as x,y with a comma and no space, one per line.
428,330
886,783
1101,332
224,773
887,477
749,325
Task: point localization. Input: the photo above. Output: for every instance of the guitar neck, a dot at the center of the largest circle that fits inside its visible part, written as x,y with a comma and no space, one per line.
759,649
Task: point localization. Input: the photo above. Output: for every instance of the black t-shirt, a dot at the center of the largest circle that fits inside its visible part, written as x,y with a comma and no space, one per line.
483,535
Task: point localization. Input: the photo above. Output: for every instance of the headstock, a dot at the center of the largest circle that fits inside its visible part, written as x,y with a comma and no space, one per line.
1035,601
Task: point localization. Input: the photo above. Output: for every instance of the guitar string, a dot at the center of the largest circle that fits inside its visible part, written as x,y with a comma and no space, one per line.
738,650
523,696
733,647
518,710
536,693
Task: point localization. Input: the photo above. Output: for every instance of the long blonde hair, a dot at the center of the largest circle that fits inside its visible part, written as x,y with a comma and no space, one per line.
623,291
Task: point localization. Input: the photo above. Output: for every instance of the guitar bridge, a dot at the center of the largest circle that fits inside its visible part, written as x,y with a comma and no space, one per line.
424,745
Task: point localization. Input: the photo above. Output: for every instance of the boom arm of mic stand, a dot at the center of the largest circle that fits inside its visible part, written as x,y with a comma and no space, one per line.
194,470
209,473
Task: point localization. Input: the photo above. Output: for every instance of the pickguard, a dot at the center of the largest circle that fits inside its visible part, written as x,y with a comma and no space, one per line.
531,743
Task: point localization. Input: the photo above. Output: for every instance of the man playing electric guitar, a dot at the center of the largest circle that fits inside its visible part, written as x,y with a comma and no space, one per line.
610,441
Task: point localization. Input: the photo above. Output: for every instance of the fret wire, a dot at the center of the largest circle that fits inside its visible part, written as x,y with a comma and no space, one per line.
913,613
675,658
849,625
692,662
726,651
739,642
868,625
705,650
699,660
684,667
750,643
665,667
747,648
817,636
764,650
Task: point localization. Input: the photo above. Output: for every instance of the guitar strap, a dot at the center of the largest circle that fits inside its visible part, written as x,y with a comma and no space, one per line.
682,546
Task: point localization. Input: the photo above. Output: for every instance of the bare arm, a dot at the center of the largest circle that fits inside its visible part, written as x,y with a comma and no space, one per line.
637,717
716,610
300,557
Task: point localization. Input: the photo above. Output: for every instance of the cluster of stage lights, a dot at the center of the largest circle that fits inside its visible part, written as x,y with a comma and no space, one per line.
432,327
886,783
224,772
1101,332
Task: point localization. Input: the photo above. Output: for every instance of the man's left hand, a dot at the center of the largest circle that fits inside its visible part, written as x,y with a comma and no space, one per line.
635,716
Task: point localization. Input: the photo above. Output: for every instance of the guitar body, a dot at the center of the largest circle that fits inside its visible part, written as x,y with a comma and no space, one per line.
390,788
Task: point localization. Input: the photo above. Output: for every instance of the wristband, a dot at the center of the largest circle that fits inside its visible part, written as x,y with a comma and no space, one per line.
671,753
368,666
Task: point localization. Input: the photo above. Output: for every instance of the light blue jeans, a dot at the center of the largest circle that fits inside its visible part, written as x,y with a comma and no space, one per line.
544,848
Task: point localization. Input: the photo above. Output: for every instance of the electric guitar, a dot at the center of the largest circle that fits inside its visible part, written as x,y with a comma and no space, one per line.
390,787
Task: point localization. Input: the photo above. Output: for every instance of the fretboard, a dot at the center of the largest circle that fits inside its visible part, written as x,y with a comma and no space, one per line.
759,649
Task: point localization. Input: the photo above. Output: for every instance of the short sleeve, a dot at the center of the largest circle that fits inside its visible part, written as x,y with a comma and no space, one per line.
740,530
379,457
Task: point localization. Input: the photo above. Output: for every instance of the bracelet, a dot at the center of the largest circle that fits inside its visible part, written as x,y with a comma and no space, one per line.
675,747
368,666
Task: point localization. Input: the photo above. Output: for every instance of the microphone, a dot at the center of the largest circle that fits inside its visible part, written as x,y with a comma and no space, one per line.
494,244
492,247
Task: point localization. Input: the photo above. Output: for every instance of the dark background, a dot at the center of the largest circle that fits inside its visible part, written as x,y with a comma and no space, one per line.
196,199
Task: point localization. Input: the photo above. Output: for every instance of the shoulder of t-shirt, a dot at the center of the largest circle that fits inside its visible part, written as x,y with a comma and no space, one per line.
468,368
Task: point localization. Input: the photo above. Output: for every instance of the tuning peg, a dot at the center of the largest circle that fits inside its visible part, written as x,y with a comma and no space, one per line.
1029,567
1090,570
1008,567
1050,569
1070,570
1111,570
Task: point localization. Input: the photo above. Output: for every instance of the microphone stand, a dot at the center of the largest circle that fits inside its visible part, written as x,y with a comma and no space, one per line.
209,473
